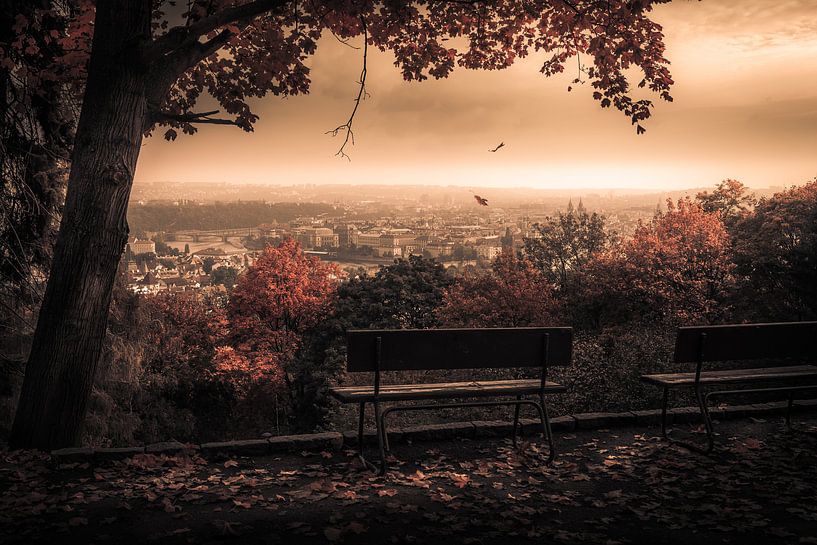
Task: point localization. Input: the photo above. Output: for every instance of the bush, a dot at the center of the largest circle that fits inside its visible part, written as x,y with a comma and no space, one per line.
606,369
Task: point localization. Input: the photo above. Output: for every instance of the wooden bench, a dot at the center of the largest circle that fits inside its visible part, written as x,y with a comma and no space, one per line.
795,342
444,349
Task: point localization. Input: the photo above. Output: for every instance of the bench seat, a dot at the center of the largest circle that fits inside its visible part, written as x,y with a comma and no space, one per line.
443,390
734,376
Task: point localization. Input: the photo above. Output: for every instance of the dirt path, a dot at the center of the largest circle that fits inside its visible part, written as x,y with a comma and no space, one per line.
606,487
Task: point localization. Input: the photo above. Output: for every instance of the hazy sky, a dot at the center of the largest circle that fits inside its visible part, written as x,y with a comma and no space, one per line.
745,107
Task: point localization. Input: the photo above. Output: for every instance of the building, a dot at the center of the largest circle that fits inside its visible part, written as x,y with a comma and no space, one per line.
139,247
488,252
387,243
312,238
440,249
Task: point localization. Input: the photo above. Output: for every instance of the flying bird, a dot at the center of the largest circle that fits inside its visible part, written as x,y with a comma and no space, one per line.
496,149
481,201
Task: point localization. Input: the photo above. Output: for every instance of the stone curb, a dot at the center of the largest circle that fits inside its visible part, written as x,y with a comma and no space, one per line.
475,429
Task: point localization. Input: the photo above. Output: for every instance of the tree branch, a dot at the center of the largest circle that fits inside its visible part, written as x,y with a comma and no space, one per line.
186,36
361,95
192,117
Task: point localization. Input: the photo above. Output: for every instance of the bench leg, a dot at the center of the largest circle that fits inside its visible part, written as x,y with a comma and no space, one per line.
664,406
788,410
516,419
380,438
360,428
707,420
546,431
710,434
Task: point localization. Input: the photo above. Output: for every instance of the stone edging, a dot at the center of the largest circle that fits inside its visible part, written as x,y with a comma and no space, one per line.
334,441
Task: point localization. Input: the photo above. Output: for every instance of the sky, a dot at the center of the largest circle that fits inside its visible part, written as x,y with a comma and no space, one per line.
745,107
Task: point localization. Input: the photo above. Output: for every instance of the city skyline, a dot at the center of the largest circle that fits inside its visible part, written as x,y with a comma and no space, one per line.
742,109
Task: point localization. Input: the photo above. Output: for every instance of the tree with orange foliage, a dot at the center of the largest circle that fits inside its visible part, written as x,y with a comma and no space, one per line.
677,267
514,294
282,295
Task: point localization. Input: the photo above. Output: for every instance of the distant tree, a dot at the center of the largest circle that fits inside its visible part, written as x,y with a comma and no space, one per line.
207,264
148,259
566,243
225,276
218,215
403,295
167,263
731,199
164,249
507,238
775,249
148,64
513,294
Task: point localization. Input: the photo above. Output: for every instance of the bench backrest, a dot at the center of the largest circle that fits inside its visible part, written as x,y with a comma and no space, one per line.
795,340
426,349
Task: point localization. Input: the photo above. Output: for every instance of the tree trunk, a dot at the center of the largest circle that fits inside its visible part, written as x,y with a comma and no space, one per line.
92,236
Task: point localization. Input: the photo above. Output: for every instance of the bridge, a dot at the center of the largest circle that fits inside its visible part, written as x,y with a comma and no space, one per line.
194,235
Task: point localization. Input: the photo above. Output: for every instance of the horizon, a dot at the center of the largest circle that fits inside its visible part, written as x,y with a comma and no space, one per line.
743,109
607,189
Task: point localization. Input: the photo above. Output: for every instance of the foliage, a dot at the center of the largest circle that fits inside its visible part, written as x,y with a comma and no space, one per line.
513,294
428,39
775,250
403,295
157,379
730,198
226,276
280,299
219,215
406,294
605,374
566,243
37,122
163,249
676,268
207,264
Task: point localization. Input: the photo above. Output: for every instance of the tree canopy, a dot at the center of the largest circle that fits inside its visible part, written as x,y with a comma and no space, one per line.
237,50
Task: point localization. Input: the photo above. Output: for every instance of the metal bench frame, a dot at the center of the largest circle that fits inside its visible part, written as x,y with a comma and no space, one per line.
380,415
703,398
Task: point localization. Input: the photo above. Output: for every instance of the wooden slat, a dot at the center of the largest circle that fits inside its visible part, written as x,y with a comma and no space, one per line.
446,390
734,376
426,349
792,340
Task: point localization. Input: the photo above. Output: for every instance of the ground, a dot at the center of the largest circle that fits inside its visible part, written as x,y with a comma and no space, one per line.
606,487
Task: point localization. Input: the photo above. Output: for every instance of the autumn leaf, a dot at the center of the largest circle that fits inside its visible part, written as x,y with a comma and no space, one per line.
333,534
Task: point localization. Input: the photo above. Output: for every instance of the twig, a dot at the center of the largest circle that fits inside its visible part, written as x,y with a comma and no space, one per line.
361,95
